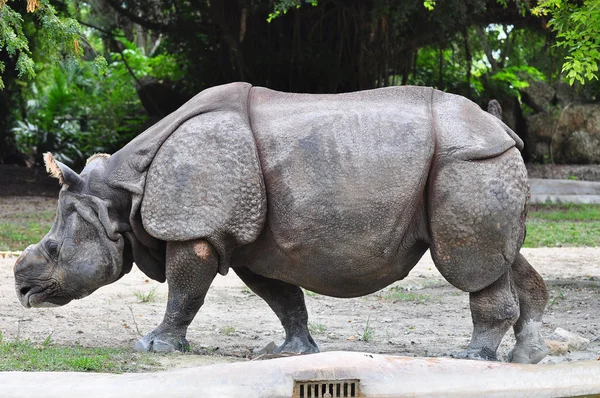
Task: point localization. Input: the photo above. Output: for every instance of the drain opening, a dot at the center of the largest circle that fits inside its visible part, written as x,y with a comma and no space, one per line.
326,389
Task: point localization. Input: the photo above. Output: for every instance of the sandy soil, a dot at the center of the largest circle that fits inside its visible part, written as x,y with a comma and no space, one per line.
431,318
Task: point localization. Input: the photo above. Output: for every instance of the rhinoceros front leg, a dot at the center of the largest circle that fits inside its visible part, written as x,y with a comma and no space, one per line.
191,268
494,310
287,301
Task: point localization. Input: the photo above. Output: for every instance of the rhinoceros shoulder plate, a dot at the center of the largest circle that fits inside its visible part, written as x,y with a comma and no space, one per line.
205,180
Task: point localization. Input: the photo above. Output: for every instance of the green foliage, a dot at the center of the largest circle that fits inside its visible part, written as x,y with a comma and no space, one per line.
281,7
74,111
429,4
58,36
518,77
577,26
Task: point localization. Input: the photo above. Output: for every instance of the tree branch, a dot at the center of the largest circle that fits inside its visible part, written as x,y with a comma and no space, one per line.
116,5
106,32
486,47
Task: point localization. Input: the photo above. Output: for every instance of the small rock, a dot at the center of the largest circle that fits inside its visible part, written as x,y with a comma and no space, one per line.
351,338
268,349
574,341
556,348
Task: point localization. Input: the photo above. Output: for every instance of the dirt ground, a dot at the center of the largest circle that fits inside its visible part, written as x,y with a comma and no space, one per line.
420,316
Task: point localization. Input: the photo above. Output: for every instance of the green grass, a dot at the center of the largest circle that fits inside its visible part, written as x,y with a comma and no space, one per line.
309,293
24,355
227,330
399,294
316,327
147,297
20,229
563,225
367,333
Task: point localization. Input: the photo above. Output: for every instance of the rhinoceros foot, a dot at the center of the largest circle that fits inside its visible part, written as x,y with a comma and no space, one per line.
527,354
483,354
297,345
157,342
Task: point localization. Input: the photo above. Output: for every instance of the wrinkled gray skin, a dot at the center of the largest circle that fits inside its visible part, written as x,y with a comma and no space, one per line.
340,194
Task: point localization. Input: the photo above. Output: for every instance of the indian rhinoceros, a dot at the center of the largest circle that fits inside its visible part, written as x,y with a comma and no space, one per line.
340,194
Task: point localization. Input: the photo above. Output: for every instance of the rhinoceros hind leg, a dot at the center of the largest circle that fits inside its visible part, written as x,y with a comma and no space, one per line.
191,268
494,310
287,301
533,297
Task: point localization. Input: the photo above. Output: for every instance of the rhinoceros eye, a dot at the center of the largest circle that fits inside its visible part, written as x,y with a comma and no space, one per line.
52,248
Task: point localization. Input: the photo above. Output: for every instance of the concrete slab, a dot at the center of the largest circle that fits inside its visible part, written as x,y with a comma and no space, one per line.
377,375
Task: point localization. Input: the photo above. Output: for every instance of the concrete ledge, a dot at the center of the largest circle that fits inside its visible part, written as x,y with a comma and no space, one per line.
564,191
379,375
575,199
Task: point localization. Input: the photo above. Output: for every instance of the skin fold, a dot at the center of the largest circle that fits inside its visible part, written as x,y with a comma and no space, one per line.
339,194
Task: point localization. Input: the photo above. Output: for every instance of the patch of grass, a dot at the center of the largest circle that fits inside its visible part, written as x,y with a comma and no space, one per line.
564,212
20,235
561,296
316,327
309,293
20,229
24,355
46,216
558,225
246,290
398,294
559,234
227,330
367,333
148,297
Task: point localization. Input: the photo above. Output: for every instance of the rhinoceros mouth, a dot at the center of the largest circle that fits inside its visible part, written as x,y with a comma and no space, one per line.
39,298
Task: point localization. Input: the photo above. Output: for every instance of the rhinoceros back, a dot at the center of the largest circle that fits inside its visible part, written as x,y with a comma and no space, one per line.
344,173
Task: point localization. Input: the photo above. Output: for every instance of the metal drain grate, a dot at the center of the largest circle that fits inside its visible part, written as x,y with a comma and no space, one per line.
326,389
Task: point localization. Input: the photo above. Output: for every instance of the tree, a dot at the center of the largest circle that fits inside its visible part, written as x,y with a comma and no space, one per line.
577,27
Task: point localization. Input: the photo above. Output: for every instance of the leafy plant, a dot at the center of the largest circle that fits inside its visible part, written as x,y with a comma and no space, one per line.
74,112
367,333
577,27
316,327
59,37
398,294
146,297
227,330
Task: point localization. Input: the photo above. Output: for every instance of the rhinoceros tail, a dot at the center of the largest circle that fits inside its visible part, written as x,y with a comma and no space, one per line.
495,109
518,141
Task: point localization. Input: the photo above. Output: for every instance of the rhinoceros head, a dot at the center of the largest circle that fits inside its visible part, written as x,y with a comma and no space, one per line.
84,249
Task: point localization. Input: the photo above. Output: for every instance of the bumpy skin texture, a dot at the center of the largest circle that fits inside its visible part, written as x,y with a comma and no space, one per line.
340,194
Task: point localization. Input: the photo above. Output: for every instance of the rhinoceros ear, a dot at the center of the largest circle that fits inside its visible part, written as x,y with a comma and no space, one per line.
205,182
61,171
97,156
